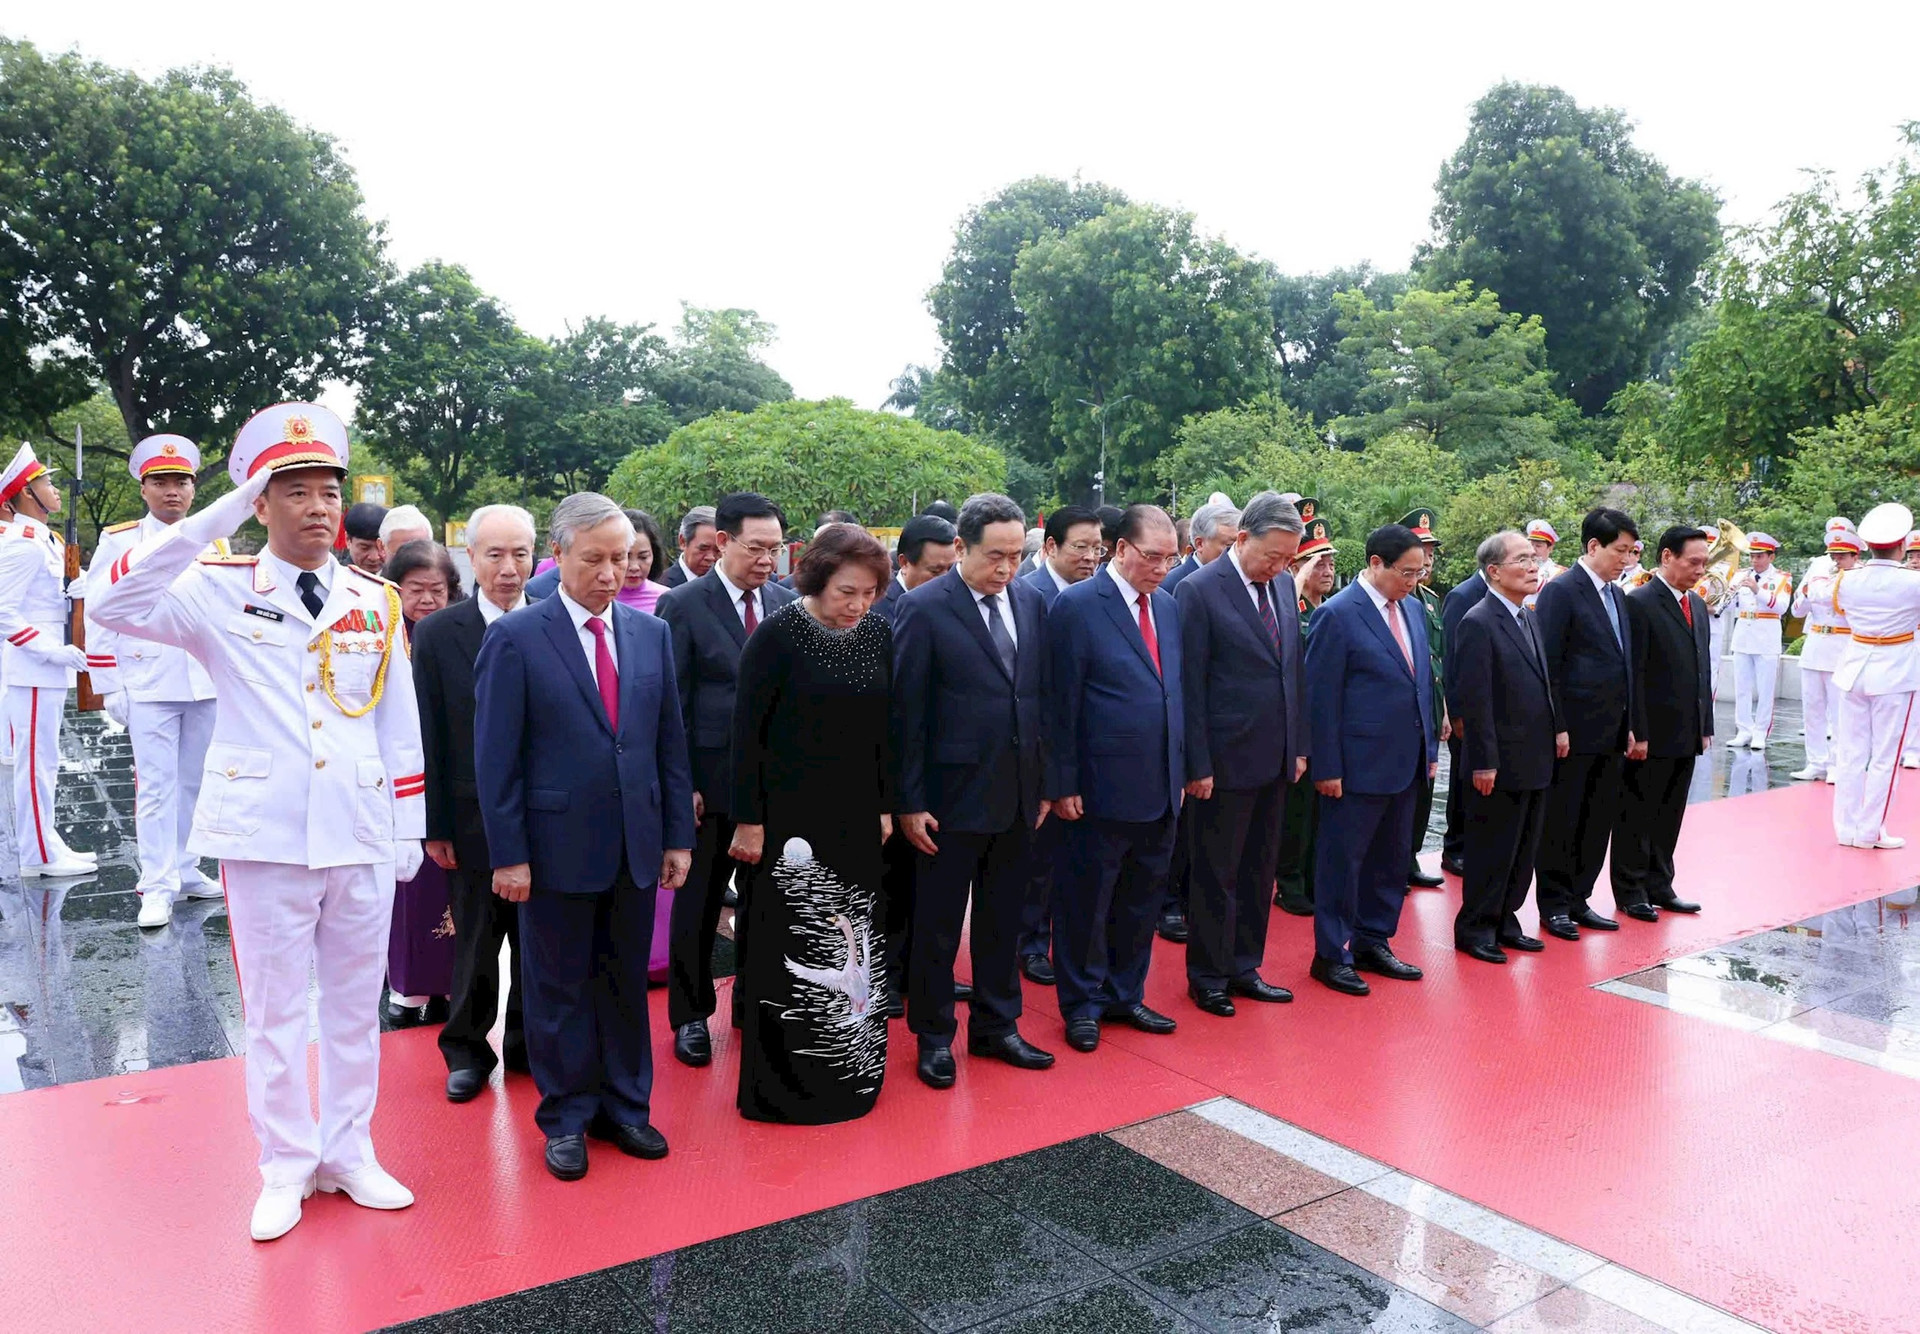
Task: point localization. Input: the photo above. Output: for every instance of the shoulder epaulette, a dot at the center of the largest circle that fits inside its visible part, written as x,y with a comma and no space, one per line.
229,559
120,527
378,579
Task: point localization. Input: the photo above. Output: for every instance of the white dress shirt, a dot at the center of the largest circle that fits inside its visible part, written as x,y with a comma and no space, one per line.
1253,594
287,575
686,569
589,645
1388,610
1599,584
1132,596
1060,585
491,612
735,593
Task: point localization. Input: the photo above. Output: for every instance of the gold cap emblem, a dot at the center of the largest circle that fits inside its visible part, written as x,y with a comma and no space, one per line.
299,429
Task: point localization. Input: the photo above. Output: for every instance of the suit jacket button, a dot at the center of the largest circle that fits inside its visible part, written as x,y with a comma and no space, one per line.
616,792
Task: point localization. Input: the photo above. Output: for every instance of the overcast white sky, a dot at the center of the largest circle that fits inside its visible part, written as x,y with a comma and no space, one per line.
811,161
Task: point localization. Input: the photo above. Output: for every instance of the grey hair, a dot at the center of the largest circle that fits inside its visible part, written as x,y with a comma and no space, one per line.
582,512
404,516
1036,538
983,509
1493,551
1268,513
700,516
513,512
1210,518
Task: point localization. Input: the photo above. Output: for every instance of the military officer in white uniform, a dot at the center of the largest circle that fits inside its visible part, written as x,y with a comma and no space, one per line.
312,794
1762,597
39,663
1910,756
1542,537
1877,676
160,694
1826,632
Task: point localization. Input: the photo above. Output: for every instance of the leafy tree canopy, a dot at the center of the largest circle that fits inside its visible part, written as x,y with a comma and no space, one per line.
1317,375
715,366
1237,450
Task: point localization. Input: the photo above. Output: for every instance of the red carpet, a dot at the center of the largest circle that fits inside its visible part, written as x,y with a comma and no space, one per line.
1770,1180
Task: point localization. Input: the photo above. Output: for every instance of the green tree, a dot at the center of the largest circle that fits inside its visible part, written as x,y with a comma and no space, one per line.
196,252
1533,489
809,457
1234,450
1135,317
1318,375
1552,205
585,405
715,366
1861,460
930,395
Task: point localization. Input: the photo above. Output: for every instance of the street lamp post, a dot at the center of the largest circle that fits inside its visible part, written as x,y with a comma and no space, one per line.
1100,412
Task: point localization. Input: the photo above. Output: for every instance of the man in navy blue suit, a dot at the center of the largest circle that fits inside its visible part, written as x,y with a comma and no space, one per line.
969,679
587,798
1246,741
1116,768
1375,741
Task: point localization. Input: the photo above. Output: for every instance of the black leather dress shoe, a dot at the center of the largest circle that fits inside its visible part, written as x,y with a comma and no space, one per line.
1140,1017
1253,988
1640,912
896,1007
1379,959
936,1067
1338,976
1015,1050
1679,905
1419,879
1083,1034
692,1045
436,1011
1528,944
1037,968
1293,907
1173,927
731,898
1453,867
1482,951
1593,921
465,1085
1214,1000
634,1141
567,1156
1561,927
963,991
402,1016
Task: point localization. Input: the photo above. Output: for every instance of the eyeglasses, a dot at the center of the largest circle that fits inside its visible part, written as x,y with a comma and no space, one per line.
760,550
1082,548
1162,559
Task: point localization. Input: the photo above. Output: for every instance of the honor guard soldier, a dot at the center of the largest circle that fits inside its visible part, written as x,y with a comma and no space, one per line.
1877,676
1762,597
39,664
1313,581
313,787
1910,756
1827,633
157,692
1542,537
1420,521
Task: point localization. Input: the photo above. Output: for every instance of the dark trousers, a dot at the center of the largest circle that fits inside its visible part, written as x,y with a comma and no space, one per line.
1360,870
1581,806
1236,833
1648,829
1453,844
696,921
894,912
481,920
991,869
1503,837
1180,865
1036,914
1113,878
1422,815
586,982
1293,869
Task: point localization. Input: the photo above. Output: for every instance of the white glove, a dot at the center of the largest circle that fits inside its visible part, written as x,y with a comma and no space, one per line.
71,656
224,516
116,707
407,856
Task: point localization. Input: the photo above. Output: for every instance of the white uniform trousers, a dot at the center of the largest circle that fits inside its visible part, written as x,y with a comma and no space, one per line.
288,921
1754,677
1819,712
1910,755
1869,736
1717,648
33,720
169,752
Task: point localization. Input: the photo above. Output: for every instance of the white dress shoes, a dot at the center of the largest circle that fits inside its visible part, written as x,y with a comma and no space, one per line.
1885,843
277,1211
58,869
1813,773
370,1187
155,910
1739,739
201,888
1759,741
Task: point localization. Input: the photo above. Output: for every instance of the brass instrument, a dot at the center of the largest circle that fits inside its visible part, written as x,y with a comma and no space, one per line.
1723,563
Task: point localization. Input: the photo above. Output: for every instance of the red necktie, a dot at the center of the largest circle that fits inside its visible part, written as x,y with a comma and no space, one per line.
746,601
1146,633
604,672
1686,609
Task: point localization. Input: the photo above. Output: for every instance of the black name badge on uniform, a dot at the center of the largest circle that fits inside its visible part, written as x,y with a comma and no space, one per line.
264,613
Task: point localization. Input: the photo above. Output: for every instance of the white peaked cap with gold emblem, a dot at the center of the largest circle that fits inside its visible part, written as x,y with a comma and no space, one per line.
25,467
163,454
288,435
1886,525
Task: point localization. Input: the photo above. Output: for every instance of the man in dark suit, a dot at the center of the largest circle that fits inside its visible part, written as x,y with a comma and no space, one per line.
711,618
588,805
1582,619
699,547
969,681
1453,609
1672,724
925,552
500,542
1069,553
1374,741
1313,578
1116,721
1246,742
1512,737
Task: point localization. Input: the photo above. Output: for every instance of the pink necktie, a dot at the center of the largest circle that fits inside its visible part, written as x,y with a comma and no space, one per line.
603,671
1399,632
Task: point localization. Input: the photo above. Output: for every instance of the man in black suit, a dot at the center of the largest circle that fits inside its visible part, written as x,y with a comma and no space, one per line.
699,547
1672,724
1453,610
500,542
711,618
925,552
1512,738
969,677
1246,742
1582,619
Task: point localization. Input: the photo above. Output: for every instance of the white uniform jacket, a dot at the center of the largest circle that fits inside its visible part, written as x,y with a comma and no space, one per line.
33,604
146,669
1826,629
1881,602
1759,609
289,776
